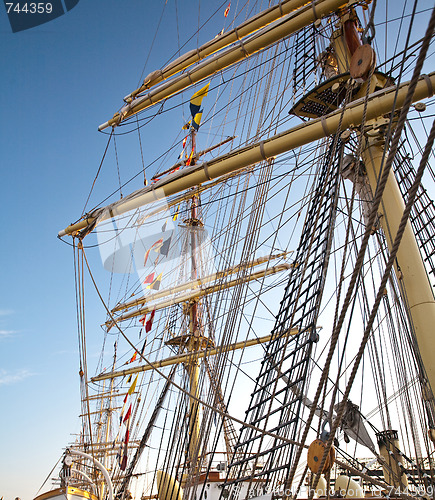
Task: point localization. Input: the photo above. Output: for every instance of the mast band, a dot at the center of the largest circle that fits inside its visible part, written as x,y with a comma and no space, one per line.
263,154
324,126
429,85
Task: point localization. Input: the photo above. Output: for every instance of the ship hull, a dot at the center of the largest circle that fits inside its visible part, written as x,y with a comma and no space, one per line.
68,493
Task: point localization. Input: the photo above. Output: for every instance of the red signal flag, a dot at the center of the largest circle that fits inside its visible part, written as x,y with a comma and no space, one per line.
189,160
127,415
149,279
150,321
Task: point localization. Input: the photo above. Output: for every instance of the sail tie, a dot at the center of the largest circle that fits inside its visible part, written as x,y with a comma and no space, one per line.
313,5
263,154
242,46
429,85
190,77
205,168
325,126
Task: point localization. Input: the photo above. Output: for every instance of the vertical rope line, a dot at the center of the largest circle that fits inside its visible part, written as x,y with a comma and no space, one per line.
117,166
145,182
80,287
380,294
372,217
98,172
358,155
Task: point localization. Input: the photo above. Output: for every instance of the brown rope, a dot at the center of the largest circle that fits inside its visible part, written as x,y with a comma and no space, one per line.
380,294
195,398
365,240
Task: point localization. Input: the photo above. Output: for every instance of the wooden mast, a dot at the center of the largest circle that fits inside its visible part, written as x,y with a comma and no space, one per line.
184,358
195,328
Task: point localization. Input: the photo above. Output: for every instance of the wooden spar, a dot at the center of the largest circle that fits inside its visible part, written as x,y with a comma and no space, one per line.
212,148
183,358
105,395
282,28
195,156
195,295
197,283
379,103
248,27
99,412
101,445
188,195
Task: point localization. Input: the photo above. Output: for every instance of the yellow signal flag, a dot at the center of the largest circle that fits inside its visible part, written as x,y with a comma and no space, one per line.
197,120
155,285
197,97
175,217
133,386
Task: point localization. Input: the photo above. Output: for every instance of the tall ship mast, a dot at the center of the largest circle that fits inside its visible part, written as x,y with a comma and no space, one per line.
268,290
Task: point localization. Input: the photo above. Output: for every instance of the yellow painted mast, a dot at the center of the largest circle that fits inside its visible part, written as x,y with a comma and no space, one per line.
409,268
415,288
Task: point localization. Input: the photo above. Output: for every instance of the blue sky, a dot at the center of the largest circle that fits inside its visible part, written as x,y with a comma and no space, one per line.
59,82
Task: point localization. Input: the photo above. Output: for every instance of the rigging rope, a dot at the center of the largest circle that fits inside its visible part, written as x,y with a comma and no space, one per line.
177,386
381,289
371,220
